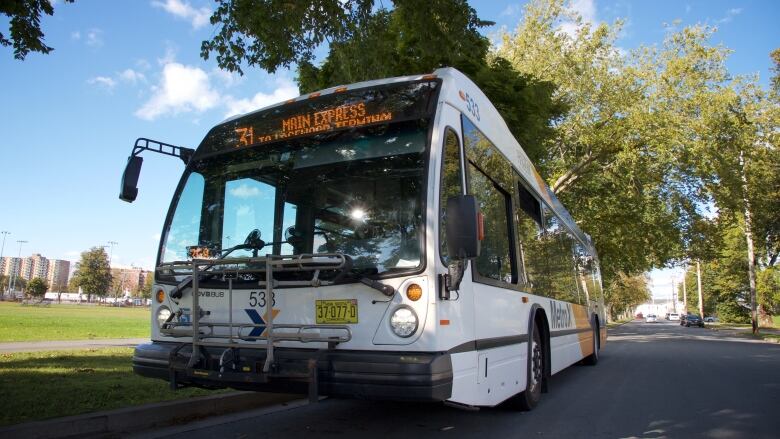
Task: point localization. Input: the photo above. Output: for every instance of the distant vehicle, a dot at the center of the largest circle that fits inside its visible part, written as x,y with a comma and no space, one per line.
666,317
651,318
639,316
673,317
691,320
710,319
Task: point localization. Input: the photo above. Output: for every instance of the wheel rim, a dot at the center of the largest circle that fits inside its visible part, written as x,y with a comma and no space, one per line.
536,366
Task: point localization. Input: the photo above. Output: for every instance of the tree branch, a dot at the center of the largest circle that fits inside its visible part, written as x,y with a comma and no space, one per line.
565,180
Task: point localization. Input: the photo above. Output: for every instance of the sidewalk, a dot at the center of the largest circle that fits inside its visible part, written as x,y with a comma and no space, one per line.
33,346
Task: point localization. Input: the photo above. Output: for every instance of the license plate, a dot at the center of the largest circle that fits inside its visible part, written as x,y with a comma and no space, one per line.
336,311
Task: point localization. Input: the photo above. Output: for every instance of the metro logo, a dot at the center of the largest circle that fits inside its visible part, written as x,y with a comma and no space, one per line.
561,315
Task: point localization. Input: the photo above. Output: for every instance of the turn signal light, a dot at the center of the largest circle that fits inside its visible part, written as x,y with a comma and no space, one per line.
160,296
414,292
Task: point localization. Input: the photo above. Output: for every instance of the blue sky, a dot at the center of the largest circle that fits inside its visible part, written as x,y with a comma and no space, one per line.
128,69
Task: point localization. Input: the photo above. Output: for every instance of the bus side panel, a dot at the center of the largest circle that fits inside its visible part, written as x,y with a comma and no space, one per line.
501,320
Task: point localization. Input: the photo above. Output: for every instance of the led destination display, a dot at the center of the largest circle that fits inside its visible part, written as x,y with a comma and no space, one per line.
322,114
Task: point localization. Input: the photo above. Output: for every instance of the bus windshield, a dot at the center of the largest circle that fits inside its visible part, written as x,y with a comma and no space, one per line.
358,192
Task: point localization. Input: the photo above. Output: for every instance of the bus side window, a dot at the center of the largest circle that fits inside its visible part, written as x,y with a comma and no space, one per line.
528,226
451,185
490,180
557,245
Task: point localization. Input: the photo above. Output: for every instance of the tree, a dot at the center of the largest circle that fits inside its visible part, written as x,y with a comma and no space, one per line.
416,36
146,288
4,282
37,287
624,293
93,273
775,56
25,25
614,159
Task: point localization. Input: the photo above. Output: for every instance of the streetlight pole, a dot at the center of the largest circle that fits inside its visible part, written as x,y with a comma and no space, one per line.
13,280
2,249
111,254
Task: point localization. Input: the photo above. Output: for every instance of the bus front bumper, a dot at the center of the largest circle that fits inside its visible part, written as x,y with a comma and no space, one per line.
403,376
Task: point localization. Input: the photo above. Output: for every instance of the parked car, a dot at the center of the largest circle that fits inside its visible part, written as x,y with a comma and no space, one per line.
651,318
673,317
689,320
639,315
710,319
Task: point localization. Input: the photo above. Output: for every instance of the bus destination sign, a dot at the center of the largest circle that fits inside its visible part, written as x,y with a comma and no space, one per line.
387,103
344,116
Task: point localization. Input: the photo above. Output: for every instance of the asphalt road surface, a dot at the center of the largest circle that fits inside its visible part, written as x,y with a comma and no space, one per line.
656,380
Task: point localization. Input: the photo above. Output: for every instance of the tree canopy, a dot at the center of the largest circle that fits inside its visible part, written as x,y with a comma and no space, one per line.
37,287
24,18
93,273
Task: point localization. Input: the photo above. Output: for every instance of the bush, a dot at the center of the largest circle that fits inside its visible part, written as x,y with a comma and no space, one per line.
732,312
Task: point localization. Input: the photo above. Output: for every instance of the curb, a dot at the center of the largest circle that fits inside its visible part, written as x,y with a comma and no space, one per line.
145,416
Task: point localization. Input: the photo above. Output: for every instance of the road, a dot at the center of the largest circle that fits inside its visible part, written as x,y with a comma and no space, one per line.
657,380
61,345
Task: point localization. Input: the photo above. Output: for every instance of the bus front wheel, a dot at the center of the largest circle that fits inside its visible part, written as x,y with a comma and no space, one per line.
529,398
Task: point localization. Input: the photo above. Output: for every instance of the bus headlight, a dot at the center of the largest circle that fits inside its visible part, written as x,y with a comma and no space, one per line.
163,314
403,322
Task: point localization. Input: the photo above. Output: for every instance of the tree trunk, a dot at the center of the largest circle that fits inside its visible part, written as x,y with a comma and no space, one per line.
698,281
749,238
685,292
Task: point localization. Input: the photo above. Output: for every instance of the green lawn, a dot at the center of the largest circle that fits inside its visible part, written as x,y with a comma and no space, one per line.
40,385
776,321
71,322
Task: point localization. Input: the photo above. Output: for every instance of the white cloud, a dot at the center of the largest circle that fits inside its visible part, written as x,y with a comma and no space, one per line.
143,64
286,89
510,10
75,35
730,14
170,54
103,81
245,191
181,89
94,38
585,9
228,79
182,9
132,76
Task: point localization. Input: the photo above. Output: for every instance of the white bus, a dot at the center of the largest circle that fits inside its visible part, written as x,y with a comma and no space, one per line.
385,240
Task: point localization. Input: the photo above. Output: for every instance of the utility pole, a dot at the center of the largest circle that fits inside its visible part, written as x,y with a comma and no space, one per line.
5,233
111,254
674,290
698,280
685,292
12,287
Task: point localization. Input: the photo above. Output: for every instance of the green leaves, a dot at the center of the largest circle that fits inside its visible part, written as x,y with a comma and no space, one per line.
37,287
25,25
278,33
93,273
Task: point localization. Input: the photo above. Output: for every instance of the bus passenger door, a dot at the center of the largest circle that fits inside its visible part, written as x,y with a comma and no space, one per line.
455,315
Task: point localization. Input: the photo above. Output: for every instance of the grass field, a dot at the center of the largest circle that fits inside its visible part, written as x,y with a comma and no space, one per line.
70,322
776,321
41,385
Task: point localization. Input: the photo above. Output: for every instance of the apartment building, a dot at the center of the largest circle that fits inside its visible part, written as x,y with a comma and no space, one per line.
57,277
34,266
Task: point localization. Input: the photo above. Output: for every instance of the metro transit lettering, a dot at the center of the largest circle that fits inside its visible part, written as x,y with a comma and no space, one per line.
561,315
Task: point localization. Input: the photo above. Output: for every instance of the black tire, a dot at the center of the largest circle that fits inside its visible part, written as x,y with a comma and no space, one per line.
593,359
688,324
530,397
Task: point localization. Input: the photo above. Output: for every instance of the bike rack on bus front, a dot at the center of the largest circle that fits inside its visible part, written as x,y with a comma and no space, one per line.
302,332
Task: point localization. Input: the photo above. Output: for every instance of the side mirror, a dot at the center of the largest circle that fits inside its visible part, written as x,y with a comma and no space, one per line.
464,227
129,187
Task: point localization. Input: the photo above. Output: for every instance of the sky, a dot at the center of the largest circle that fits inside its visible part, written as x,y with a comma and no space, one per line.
127,69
